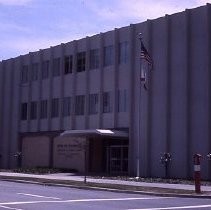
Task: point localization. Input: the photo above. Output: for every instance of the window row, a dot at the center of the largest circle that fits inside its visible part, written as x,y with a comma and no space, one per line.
94,60
52,109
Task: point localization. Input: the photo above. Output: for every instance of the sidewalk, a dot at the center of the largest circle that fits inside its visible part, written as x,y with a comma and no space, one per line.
72,180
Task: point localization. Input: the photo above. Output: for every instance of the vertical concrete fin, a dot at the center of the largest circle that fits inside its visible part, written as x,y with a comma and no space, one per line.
188,93
74,84
116,73
100,115
87,80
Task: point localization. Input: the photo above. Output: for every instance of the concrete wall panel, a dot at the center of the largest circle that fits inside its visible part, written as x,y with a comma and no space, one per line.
36,152
159,100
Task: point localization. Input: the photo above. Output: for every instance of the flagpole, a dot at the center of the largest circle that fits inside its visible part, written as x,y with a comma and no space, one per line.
139,118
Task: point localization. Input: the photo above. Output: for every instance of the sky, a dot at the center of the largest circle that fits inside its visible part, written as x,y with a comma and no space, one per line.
30,25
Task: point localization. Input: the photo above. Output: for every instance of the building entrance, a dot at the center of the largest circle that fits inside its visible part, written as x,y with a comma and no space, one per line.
117,159
107,150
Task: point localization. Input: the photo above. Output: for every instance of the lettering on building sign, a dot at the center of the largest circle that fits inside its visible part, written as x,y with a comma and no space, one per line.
69,150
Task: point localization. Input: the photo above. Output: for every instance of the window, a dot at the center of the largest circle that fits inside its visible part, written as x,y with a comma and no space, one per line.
108,55
33,111
56,67
24,74
79,105
81,61
34,73
68,64
55,107
66,106
123,52
122,100
45,69
93,103
94,59
107,103
44,109
24,111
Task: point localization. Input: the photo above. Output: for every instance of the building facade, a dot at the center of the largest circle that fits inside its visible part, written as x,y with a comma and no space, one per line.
94,83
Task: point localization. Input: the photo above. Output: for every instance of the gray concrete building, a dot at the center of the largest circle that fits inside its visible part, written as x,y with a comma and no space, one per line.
90,90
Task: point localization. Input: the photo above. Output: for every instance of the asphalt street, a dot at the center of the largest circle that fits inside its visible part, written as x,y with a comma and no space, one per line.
23,196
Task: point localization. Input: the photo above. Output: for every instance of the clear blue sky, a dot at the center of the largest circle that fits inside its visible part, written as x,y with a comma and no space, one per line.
30,25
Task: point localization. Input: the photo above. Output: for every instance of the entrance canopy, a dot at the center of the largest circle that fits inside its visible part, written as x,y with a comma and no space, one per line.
96,132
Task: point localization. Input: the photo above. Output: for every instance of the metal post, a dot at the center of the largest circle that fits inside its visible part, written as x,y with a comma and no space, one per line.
197,172
165,160
138,143
166,170
139,119
85,161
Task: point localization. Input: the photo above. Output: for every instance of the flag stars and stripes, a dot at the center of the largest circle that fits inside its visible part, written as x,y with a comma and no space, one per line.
145,55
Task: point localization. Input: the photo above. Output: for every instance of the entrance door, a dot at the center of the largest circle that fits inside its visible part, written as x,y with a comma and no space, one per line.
118,159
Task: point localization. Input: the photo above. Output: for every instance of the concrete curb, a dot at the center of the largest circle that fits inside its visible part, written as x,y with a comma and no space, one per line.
99,186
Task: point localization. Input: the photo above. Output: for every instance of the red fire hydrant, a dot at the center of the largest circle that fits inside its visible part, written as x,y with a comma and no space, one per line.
197,172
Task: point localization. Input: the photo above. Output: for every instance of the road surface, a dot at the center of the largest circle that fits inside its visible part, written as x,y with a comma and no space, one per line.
22,196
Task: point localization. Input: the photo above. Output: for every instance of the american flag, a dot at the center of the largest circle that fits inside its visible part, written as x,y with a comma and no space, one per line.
145,55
